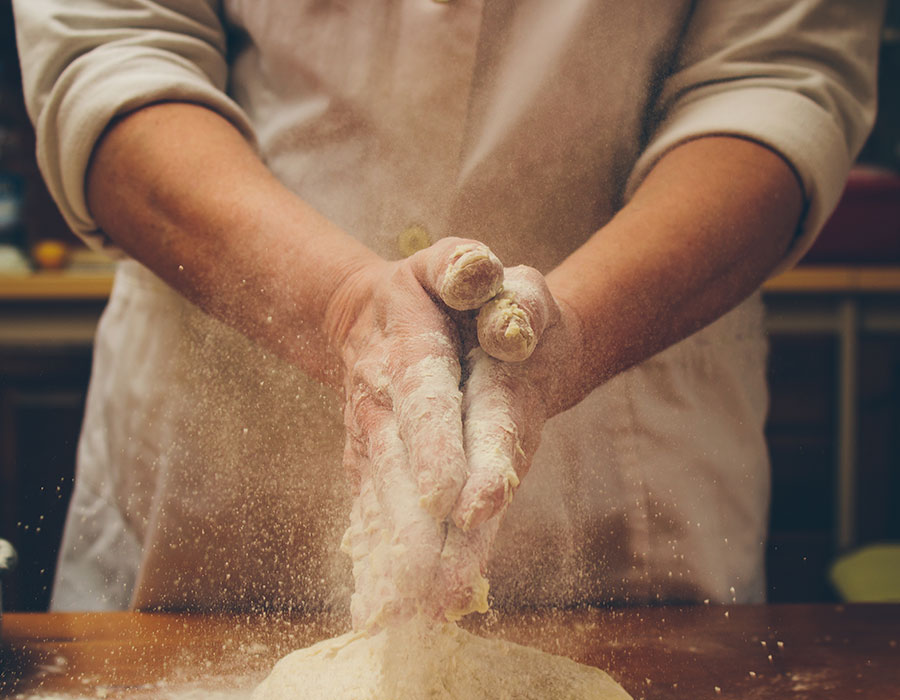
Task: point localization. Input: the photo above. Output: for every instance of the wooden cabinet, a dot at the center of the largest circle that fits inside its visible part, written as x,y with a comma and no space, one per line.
879,438
834,423
800,431
41,402
45,363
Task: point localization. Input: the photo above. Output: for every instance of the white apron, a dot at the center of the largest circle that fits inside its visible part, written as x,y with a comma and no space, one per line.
209,474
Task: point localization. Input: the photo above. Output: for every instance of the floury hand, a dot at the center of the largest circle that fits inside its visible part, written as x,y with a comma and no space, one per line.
434,468
400,350
505,406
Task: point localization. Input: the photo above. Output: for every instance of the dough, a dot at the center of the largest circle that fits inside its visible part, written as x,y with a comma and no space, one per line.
415,662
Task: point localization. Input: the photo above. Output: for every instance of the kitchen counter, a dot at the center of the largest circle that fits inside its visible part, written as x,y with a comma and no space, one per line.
51,310
866,279
834,279
56,286
766,651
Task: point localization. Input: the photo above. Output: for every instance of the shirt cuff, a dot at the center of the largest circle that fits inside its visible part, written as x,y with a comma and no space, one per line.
792,125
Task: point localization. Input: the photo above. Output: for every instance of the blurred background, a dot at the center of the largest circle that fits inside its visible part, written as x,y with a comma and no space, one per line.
834,427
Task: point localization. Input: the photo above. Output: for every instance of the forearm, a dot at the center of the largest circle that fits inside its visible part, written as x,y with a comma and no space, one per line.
703,231
181,191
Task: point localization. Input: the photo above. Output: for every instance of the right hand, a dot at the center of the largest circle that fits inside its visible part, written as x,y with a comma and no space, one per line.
400,348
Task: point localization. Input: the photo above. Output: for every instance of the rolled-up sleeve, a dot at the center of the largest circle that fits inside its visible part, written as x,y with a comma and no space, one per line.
86,62
798,76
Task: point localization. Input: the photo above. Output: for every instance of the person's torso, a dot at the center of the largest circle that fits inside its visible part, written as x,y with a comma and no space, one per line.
515,122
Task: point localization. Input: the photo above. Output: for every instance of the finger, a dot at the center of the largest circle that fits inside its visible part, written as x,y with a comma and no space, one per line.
405,551
427,402
464,274
510,324
413,538
367,537
496,446
462,585
364,542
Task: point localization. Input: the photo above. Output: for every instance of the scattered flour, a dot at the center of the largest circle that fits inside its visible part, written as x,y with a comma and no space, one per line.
404,548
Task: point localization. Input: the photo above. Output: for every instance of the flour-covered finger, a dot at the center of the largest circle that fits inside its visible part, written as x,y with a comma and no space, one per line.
462,585
367,539
365,542
353,459
494,428
510,325
427,402
463,273
415,538
404,552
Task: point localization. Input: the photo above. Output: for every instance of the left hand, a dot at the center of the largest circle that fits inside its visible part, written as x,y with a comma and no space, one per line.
400,348
505,406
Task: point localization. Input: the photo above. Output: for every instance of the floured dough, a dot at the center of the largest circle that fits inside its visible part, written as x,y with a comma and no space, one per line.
415,662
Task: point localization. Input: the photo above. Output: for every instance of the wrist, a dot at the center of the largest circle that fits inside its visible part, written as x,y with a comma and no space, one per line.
577,372
351,285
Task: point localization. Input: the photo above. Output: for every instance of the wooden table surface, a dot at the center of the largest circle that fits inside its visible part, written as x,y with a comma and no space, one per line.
749,652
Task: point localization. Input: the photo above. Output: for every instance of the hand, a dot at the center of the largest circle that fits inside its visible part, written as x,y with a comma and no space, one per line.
400,351
505,406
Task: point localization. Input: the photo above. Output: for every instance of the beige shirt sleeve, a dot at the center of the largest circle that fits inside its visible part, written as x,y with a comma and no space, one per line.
85,63
798,76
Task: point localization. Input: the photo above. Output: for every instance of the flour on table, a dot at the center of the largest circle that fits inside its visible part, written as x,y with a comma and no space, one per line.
415,661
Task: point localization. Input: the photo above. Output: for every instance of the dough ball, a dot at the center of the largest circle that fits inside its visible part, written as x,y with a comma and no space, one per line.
418,663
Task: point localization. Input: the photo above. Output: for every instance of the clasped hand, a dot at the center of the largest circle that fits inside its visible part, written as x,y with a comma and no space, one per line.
451,364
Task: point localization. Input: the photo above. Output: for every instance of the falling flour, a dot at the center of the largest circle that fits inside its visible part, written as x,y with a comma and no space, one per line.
416,661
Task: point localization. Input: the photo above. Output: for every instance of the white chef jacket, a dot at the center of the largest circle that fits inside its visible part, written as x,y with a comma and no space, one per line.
209,472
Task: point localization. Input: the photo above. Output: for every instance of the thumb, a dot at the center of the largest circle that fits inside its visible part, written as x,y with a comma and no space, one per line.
460,272
510,324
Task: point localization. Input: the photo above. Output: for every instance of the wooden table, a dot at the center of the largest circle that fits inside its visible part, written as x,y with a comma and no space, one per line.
794,651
